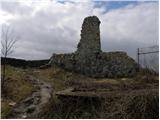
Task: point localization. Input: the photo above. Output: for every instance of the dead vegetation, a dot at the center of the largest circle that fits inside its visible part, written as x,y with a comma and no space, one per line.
135,97
122,107
16,88
140,101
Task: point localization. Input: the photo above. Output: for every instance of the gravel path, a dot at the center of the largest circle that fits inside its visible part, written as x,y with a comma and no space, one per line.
33,105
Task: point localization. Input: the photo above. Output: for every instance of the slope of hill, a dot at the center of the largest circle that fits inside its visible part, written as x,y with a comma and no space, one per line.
140,101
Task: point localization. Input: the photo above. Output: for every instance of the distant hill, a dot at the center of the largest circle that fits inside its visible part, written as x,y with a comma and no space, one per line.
24,63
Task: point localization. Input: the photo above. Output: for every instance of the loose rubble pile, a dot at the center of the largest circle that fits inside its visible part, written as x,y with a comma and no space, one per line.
90,60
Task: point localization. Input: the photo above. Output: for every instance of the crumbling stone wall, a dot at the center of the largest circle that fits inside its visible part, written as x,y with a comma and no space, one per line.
90,37
90,60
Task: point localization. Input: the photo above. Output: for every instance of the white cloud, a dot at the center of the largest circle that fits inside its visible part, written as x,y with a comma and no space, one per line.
54,27
129,28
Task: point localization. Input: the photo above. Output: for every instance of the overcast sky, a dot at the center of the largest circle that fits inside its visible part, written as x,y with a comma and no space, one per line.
47,27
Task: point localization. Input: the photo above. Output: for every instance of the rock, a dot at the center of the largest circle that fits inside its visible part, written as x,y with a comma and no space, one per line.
90,60
33,105
20,109
36,101
24,116
123,79
30,109
28,100
12,104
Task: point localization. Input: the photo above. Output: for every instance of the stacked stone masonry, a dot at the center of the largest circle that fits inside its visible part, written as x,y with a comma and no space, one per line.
90,60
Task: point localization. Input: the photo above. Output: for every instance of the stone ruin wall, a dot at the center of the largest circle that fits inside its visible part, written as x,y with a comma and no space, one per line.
90,60
90,37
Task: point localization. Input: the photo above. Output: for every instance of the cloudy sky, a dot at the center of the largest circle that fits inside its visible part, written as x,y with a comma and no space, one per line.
51,26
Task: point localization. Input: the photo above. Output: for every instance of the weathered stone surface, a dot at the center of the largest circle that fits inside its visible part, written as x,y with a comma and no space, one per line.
90,60
90,37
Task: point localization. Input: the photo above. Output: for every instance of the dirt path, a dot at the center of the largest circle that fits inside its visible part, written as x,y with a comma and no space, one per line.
33,105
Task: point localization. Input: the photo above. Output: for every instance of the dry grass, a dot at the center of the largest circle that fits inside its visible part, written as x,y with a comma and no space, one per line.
133,105
5,108
16,89
58,77
122,107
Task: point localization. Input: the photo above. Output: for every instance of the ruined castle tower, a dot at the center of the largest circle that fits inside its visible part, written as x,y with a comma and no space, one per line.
90,60
90,36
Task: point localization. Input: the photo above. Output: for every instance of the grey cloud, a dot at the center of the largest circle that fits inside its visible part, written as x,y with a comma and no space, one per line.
129,28
55,28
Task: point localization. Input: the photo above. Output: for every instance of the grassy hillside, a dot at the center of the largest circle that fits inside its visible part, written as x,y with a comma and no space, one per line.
140,102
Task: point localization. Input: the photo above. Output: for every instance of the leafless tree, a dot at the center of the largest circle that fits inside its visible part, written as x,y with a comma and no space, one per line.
8,40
